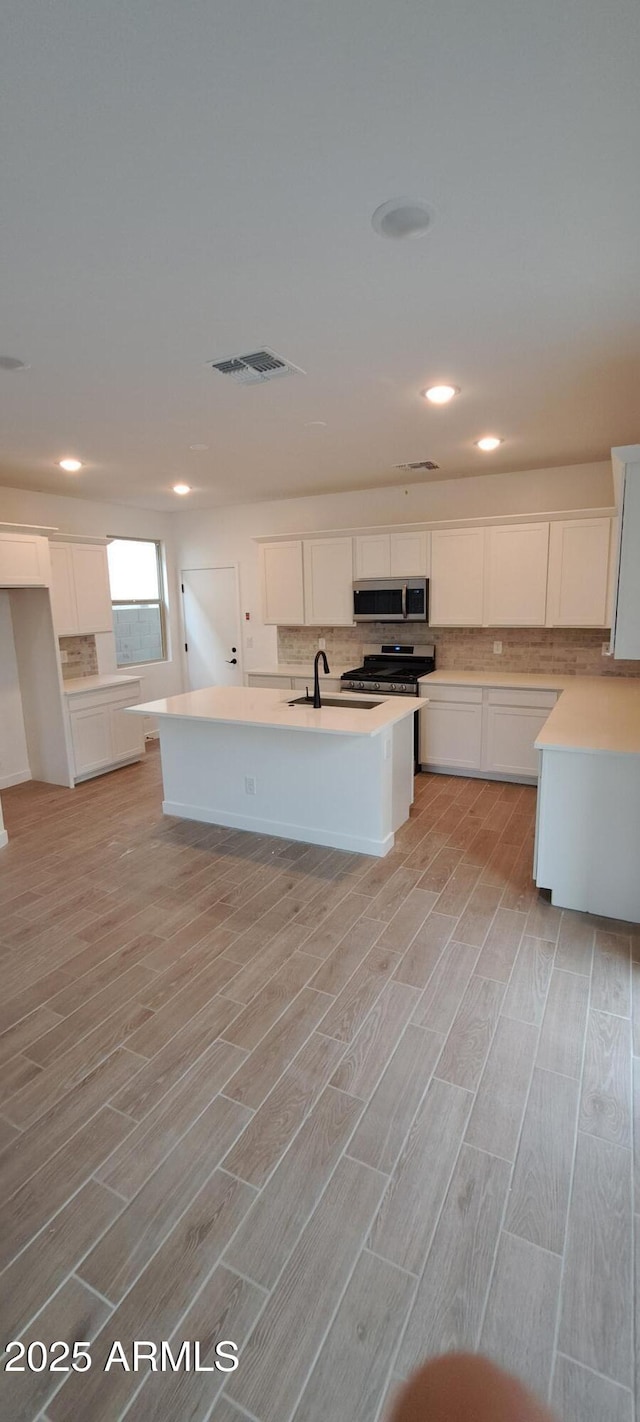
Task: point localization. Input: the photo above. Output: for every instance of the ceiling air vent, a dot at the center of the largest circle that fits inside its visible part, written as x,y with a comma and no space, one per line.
254,369
418,464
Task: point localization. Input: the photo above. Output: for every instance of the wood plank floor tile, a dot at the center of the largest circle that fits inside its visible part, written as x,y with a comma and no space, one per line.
448,1308
382,1130
465,1050
163,1025
581,1396
365,1060
154,1306
519,1325
16,1074
308,1288
23,1034
575,943
78,1024
501,945
543,920
596,1313
404,925
409,1211
349,1378
456,893
334,972
605,1108
564,1023
276,1220
526,995
446,987
227,1307
163,1071
496,1118
474,924
124,1251
539,1197
392,896
74,1313
254,1080
161,1129
326,936
439,872
421,957
611,974
276,1122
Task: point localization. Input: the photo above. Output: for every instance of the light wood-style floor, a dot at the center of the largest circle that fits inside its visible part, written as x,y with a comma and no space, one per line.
344,1112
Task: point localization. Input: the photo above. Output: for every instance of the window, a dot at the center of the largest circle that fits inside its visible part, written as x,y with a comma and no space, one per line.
135,575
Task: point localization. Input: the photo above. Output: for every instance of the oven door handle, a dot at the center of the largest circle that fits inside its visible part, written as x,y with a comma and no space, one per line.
404,601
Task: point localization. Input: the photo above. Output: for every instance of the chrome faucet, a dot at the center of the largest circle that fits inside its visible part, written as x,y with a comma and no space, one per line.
317,703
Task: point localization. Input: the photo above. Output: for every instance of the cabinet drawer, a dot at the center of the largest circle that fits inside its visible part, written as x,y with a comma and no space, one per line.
281,683
506,696
104,696
457,694
328,685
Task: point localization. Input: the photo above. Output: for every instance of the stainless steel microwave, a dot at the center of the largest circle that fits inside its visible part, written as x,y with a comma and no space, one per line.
391,600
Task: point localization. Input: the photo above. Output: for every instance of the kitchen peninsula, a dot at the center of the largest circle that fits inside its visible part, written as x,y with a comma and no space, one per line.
253,759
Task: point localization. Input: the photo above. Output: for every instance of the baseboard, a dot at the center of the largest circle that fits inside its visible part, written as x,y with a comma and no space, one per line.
18,778
4,838
334,840
479,774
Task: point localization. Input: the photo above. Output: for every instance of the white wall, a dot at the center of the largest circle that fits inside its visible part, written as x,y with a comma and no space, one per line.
206,538
97,520
14,757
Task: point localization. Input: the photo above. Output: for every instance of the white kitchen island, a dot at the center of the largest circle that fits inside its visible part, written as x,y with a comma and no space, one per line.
243,757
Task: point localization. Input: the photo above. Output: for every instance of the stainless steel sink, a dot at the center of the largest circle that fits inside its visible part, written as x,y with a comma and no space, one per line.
345,703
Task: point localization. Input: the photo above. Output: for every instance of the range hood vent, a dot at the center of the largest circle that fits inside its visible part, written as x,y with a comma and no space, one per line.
418,464
255,368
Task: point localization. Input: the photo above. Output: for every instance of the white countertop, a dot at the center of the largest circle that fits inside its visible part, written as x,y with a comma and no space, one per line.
76,684
295,669
538,681
257,706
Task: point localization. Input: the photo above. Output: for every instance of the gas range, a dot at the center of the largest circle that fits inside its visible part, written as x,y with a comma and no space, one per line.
394,669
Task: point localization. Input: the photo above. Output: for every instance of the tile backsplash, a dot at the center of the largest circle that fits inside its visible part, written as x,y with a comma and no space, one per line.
82,657
575,651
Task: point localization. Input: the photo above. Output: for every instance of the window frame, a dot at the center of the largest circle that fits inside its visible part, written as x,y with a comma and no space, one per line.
160,601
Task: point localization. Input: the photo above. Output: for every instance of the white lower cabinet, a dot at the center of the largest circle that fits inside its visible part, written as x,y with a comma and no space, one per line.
489,731
328,685
276,682
102,735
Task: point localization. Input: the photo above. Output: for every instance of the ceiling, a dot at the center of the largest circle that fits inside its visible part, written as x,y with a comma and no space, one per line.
188,182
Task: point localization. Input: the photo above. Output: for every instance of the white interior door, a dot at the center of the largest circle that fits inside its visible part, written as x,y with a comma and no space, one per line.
212,627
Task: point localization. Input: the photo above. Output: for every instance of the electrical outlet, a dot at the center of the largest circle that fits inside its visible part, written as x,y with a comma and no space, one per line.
322,644
64,657
497,647
606,649
249,784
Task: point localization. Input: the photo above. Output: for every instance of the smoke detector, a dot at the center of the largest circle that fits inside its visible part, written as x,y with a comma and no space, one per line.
418,464
254,369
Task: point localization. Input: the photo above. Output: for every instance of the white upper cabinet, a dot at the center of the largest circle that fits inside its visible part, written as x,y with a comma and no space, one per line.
282,583
372,555
391,555
457,577
578,573
409,555
328,582
625,633
516,575
24,561
80,592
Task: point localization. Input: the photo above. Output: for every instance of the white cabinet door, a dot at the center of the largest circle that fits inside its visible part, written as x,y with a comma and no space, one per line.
510,732
91,739
127,732
516,575
24,561
457,577
328,582
409,555
372,556
63,591
282,583
578,573
625,639
451,734
93,594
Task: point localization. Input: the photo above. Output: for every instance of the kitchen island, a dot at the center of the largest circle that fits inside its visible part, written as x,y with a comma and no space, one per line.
246,758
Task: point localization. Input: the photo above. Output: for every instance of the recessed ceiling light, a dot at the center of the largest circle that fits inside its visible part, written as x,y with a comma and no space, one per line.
488,442
401,218
12,363
71,465
198,447
182,488
440,394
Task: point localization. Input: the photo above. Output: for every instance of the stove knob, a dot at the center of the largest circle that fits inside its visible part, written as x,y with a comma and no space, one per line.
376,685
359,685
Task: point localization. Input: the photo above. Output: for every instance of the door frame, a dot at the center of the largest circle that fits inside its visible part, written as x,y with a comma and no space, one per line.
210,568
